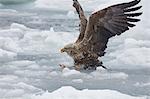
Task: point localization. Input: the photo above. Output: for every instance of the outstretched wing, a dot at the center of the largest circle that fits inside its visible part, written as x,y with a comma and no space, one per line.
83,19
107,23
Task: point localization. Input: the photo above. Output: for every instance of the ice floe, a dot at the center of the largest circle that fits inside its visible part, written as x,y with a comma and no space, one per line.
71,93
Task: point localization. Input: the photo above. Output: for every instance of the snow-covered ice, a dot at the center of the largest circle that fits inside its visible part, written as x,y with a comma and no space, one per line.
71,93
30,42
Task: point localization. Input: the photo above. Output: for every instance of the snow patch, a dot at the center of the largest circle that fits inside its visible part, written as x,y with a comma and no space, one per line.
71,93
8,78
6,56
21,63
52,29
26,87
67,72
53,73
30,73
77,80
104,74
53,5
142,84
11,93
19,26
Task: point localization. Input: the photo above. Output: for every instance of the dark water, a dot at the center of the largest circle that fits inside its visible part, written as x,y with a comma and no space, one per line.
12,2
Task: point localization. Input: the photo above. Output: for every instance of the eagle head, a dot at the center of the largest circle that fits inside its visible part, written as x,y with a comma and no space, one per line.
68,48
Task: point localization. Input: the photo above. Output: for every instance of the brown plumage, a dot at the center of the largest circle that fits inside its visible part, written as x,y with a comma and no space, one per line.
96,31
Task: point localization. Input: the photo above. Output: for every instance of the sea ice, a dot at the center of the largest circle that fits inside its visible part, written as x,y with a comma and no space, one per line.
29,57
71,93
66,72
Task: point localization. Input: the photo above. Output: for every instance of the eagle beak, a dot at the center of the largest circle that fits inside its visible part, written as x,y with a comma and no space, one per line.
62,50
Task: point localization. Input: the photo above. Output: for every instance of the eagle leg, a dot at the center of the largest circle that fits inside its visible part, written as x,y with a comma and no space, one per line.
100,64
91,65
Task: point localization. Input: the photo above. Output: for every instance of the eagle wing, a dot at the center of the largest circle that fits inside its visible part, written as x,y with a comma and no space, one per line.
107,23
83,20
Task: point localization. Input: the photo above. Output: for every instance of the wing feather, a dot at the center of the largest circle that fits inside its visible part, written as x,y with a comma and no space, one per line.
133,14
132,9
127,5
83,20
107,23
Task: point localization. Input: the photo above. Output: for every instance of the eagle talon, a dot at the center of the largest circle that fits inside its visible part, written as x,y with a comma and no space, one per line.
62,66
100,64
104,67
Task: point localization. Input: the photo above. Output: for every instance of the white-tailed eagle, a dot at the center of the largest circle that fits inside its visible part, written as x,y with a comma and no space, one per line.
97,30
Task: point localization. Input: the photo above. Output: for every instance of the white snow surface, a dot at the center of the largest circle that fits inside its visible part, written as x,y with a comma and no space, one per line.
71,93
